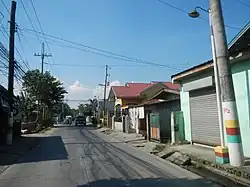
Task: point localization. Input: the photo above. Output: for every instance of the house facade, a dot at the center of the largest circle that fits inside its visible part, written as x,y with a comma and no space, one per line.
198,96
123,98
158,102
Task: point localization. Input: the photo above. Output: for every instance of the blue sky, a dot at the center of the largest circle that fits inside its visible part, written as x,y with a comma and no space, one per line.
145,29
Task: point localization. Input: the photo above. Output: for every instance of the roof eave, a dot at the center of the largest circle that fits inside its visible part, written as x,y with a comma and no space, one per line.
239,35
176,78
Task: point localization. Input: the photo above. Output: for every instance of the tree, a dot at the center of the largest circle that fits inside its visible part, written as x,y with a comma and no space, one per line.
28,105
89,109
94,105
44,88
62,110
74,112
85,109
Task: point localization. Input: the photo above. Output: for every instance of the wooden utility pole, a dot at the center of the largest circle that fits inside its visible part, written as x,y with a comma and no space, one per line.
236,155
11,71
42,55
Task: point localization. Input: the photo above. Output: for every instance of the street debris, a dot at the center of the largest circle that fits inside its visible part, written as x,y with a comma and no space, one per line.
179,159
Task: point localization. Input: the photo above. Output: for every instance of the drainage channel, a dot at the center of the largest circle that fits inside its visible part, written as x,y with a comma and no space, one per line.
214,177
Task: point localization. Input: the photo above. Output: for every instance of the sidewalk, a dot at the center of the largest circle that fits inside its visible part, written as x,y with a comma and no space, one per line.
206,156
136,140
20,146
199,156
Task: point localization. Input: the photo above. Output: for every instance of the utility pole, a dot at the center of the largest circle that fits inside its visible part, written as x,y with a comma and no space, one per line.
236,155
11,71
105,90
43,55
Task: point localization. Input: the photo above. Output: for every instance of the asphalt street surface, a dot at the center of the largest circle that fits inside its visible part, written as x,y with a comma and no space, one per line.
83,157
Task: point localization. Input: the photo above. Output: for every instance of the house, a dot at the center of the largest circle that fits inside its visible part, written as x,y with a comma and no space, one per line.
157,102
124,97
198,95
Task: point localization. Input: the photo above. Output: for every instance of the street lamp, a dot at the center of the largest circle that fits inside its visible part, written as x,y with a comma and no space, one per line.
196,14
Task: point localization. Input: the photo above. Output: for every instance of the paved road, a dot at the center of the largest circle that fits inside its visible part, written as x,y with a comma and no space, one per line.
82,157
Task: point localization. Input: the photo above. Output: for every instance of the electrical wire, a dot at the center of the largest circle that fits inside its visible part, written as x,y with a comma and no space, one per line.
24,37
27,14
243,3
99,66
25,62
96,53
100,52
5,7
186,12
40,25
6,35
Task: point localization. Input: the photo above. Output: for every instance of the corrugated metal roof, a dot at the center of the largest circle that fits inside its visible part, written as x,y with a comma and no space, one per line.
131,90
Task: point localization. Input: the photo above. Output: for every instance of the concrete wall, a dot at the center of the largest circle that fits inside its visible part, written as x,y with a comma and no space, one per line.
185,107
118,126
241,81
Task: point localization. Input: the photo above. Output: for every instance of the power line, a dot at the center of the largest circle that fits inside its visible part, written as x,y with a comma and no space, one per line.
5,7
40,25
24,37
6,35
89,51
243,3
186,12
27,14
101,66
22,48
172,6
112,55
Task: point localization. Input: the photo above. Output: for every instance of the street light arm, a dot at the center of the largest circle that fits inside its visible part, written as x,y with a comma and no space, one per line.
203,9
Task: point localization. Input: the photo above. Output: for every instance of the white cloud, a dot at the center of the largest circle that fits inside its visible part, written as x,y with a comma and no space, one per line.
99,90
77,92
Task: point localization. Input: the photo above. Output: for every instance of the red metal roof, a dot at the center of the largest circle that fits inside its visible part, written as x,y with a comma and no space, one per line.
134,89
130,89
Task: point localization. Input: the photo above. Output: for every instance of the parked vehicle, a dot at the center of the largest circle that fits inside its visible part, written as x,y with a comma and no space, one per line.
80,120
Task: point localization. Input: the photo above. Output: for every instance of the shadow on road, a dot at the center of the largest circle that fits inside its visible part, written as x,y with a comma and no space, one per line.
49,148
150,182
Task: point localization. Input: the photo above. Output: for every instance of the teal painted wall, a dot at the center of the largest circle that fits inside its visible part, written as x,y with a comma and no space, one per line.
241,80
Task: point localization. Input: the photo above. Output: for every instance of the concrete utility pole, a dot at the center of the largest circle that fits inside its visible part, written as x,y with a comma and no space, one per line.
11,71
42,55
105,90
226,83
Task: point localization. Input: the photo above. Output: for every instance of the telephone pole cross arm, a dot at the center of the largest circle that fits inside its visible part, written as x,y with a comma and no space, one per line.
42,55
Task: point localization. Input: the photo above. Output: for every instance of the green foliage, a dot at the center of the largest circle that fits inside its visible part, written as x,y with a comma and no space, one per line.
28,105
88,109
44,88
63,110
85,109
